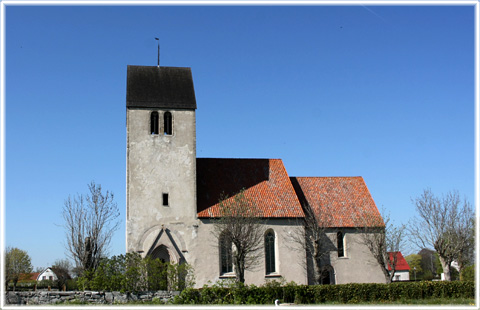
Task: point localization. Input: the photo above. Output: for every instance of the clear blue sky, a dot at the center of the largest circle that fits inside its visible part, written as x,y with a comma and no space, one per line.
382,92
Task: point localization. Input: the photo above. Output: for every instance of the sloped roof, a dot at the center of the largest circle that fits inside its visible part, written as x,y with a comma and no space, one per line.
265,181
339,201
401,262
160,87
25,277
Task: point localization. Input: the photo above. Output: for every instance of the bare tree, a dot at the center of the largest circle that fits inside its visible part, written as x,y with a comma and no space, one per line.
445,224
465,238
90,222
62,268
311,238
239,225
17,262
383,238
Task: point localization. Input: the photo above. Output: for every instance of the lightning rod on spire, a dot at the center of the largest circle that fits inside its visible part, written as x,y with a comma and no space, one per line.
158,54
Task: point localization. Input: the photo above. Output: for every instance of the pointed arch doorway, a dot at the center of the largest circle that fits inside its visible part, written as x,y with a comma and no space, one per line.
159,267
161,252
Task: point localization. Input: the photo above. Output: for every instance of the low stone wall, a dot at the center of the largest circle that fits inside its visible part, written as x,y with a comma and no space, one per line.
91,297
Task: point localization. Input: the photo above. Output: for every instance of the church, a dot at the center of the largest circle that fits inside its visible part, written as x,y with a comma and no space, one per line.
173,197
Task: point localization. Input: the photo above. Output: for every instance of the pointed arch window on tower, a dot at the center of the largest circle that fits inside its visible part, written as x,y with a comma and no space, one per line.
269,252
167,123
154,123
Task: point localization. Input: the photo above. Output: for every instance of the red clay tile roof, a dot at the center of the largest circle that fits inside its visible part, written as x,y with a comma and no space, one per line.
265,181
401,262
28,277
339,201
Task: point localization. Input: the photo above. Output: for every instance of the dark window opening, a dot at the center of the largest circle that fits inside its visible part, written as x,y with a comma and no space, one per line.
340,249
325,278
167,122
269,252
165,199
154,123
226,260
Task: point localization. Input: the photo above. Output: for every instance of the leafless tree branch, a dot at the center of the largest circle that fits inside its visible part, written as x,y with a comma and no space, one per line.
447,225
239,224
382,237
90,222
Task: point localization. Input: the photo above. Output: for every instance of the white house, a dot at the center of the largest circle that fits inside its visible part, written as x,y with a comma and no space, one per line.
47,274
402,269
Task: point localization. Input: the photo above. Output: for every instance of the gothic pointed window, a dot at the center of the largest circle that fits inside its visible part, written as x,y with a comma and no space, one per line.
154,123
269,252
167,123
340,244
226,260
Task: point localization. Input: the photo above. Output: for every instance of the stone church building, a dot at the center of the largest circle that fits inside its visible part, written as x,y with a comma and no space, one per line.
173,196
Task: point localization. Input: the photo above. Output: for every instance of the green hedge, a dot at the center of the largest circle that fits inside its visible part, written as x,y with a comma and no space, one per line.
317,294
132,273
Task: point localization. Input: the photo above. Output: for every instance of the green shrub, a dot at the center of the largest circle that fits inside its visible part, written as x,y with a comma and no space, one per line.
71,285
132,273
353,293
468,273
44,284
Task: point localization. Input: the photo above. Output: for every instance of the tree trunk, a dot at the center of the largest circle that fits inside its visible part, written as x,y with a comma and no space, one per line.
240,273
318,272
316,260
446,269
240,269
460,268
388,278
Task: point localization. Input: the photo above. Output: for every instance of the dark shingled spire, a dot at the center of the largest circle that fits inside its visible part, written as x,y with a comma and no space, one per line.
160,87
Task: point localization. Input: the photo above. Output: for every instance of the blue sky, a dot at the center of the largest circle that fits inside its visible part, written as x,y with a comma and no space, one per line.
383,92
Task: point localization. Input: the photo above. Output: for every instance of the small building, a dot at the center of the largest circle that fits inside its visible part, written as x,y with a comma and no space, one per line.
402,269
47,274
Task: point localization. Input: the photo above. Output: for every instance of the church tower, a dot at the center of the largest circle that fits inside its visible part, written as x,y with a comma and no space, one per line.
161,160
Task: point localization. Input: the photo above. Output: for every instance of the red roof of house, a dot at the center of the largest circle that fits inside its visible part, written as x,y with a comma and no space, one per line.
339,201
28,276
401,262
265,181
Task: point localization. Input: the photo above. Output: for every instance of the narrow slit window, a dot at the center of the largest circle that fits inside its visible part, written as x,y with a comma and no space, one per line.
340,248
165,199
167,122
154,123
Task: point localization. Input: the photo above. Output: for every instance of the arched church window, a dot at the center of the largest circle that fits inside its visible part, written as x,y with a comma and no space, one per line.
167,123
269,252
154,123
226,260
340,243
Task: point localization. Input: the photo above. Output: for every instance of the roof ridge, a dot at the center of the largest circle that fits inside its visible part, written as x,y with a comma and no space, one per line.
324,177
261,158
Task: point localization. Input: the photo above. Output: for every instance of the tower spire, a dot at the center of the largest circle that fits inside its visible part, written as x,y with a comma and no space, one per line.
158,53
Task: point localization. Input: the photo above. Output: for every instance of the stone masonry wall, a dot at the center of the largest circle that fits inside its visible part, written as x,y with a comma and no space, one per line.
51,297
